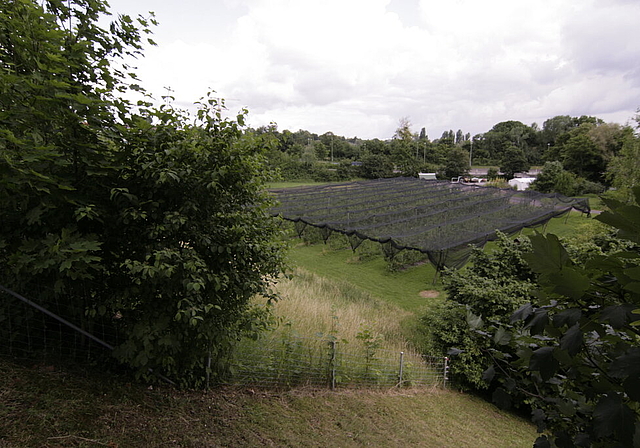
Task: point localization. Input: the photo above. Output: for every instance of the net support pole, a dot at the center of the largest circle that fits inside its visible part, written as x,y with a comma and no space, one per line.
435,277
445,372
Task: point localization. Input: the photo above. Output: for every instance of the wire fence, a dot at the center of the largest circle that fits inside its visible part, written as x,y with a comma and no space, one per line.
55,333
293,361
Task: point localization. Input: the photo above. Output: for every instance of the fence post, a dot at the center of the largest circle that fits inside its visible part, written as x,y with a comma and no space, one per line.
332,365
208,370
445,372
401,369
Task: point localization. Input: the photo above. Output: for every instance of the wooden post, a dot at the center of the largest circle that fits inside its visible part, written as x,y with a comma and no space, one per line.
401,369
332,365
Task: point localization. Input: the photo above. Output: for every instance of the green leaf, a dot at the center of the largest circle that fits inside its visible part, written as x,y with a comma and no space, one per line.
538,417
474,322
522,313
611,415
631,387
566,407
542,442
548,256
627,364
487,375
572,340
544,362
538,322
502,336
569,282
626,219
567,317
618,315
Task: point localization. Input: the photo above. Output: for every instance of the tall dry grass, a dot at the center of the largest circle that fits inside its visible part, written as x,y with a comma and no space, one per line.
332,333
311,305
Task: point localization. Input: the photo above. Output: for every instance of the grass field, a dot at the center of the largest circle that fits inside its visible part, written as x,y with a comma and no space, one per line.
276,185
312,304
402,288
42,406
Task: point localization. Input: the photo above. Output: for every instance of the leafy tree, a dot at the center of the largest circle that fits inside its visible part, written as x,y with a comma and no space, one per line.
609,138
404,148
403,132
553,178
581,156
577,345
492,173
156,225
321,150
375,146
503,137
513,161
375,166
337,146
448,138
556,126
492,286
624,169
457,163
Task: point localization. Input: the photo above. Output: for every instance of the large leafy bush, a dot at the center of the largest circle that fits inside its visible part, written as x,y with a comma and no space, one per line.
571,351
149,218
490,288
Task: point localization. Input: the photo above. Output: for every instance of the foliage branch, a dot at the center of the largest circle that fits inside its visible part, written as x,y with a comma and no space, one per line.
154,221
577,344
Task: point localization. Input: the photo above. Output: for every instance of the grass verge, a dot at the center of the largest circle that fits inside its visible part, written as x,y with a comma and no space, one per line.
41,406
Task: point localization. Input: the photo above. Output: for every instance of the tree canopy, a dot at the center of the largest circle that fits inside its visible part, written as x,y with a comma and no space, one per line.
151,219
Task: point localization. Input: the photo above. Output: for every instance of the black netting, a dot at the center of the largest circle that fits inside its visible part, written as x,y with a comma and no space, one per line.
439,219
326,233
390,250
355,241
300,226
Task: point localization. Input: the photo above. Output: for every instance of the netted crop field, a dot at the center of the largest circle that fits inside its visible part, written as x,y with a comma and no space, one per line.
439,219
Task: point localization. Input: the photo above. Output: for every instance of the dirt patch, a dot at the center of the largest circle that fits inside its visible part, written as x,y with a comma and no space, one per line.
429,294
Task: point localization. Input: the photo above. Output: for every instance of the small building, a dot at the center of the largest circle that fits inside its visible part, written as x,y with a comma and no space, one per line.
521,183
427,176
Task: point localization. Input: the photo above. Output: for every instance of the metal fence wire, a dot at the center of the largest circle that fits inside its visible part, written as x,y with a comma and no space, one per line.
294,361
54,332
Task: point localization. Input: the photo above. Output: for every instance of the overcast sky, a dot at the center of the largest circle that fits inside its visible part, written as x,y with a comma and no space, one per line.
356,67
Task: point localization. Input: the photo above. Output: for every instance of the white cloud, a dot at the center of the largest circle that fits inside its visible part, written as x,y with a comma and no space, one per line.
355,67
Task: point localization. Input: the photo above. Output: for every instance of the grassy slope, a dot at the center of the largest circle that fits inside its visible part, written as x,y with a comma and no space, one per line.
401,288
42,407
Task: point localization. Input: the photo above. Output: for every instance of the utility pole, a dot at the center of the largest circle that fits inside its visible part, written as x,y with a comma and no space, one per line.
332,149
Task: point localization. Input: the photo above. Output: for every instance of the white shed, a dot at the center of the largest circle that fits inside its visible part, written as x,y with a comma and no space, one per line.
521,183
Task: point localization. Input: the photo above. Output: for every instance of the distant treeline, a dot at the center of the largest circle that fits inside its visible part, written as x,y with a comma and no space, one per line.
583,148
